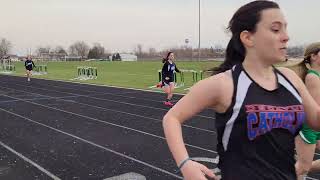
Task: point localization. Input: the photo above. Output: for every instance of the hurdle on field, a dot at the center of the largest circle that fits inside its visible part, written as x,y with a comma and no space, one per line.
196,75
40,69
8,68
85,73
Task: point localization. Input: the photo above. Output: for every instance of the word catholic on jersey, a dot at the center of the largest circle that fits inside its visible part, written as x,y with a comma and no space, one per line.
263,118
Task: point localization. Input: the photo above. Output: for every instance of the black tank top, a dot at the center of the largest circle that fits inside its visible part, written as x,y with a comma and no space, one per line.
256,133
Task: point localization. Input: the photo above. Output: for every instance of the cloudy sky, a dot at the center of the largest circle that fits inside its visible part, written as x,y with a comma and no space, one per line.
119,25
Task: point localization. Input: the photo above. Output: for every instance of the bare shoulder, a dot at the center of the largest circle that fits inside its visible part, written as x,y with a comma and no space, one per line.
215,82
312,78
312,82
291,76
286,71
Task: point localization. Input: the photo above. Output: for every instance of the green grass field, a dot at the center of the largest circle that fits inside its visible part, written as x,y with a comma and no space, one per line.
140,74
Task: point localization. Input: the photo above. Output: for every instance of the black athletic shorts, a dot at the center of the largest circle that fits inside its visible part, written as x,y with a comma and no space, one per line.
166,82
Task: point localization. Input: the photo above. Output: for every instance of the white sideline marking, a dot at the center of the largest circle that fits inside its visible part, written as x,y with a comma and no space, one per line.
106,109
30,161
36,99
127,176
93,84
94,144
198,115
103,99
112,124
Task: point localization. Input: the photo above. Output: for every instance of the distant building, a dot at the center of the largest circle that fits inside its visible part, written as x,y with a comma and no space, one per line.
53,56
11,57
73,58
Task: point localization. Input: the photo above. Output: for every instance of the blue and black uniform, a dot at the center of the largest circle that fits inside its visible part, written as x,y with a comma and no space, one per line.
256,134
29,65
168,70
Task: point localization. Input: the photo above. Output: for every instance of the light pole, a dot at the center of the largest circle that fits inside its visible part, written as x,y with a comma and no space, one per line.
187,41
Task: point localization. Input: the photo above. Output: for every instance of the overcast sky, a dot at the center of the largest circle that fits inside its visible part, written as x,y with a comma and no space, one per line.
119,25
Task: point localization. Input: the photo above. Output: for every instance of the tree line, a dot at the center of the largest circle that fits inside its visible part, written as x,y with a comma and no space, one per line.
82,50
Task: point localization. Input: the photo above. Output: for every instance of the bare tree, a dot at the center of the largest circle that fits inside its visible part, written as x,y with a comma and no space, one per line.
5,47
138,50
152,51
79,48
96,52
60,50
295,51
72,50
43,50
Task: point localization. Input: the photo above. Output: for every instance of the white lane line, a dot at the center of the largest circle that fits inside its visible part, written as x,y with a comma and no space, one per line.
36,99
127,176
98,85
103,93
107,109
112,124
94,144
120,95
103,99
113,94
30,161
137,115
119,87
133,92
